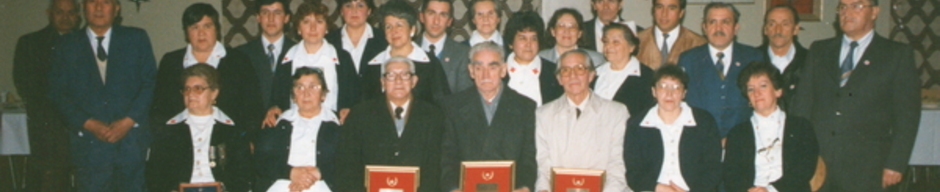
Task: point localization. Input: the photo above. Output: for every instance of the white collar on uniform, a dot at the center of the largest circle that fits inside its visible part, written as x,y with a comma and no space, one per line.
513,65
218,52
632,68
475,38
367,34
326,53
652,119
325,115
217,114
417,55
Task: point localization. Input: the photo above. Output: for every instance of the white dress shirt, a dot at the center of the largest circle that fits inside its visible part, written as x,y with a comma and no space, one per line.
200,129
859,51
218,52
782,61
725,60
768,142
404,116
106,43
324,58
525,78
475,38
438,46
671,171
356,50
670,42
610,80
278,45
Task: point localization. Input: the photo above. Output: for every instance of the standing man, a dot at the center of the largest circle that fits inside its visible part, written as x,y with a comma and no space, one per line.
605,12
781,25
663,43
861,92
102,80
713,68
436,16
580,129
485,18
49,168
269,48
489,122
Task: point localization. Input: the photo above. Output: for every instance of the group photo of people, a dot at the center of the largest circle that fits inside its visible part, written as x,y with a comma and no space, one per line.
304,106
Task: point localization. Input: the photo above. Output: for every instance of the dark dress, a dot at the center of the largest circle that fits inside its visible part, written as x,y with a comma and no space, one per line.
272,149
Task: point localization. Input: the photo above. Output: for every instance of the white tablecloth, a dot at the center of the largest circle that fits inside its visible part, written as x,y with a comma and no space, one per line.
14,138
927,145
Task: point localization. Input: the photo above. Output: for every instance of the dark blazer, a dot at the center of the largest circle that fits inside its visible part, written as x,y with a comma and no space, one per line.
239,92
869,124
346,79
272,149
636,92
171,157
699,154
258,55
48,135
509,136
369,138
720,97
790,76
454,58
548,84
799,156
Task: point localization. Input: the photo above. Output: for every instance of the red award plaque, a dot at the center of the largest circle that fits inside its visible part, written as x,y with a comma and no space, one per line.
487,176
201,187
381,178
577,180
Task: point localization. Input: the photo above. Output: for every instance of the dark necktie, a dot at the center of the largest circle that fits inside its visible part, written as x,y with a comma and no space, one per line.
847,64
102,56
664,51
433,50
398,111
720,65
577,113
271,57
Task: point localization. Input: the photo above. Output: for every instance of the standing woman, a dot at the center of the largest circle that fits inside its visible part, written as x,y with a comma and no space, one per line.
773,151
565,28
315,52
298,153
400,21
529,74
241,98
623,78
672,147
358,37
197,145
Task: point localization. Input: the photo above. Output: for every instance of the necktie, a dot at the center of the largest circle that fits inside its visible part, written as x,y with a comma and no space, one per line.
433,50
847,64
577,113
102,56
398,111
664,51
720,65
271,57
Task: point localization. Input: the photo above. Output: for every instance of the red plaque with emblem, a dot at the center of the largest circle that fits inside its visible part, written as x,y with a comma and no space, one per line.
380,178
487,176
577,180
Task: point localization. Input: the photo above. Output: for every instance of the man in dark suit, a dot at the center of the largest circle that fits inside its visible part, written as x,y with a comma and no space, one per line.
393,129
436,17
605,12
48,136
713,68
861,92
781,25
489,122
269,48
102,80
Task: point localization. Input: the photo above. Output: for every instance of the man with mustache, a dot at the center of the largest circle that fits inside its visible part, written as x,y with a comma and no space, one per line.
713,68
48,135
861,93
781,25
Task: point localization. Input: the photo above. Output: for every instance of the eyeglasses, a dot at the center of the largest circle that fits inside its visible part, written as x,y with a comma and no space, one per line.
576,70
669,87
306,88
397,76
854,7
194,89
566,26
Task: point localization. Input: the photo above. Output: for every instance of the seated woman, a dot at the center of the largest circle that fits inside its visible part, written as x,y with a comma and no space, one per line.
198,144
773,151
672,147
623,78
529,74
297,154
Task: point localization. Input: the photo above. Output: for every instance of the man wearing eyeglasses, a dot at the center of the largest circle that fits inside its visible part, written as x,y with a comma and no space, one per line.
580,129
861,92
396,129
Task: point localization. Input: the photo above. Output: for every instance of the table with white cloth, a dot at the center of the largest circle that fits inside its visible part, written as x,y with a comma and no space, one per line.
14,143
924,171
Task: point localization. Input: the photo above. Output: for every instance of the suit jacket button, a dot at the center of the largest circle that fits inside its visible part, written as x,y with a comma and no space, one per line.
396,153
838,113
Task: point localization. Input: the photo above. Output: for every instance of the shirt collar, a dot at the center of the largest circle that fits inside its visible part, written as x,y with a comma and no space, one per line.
417,55
278,44
863,42
495,98
405,106
535,66
367,34
106,42
475,38
789,55
583,105
218,52
674,33
217,114
632,68
326,54
776,115
713,52
438,46
325,115
652,119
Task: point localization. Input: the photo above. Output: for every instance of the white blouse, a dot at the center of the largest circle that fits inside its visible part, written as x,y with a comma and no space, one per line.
200,129
768,142
304,138
325,59
671,171
525,78
610,80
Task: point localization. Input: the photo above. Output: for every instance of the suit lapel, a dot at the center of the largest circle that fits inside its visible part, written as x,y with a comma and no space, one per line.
863,66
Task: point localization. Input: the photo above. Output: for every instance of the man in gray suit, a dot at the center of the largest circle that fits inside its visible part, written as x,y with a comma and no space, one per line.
436,16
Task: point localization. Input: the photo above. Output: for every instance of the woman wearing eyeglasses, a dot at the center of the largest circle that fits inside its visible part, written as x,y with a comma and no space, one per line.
198,145
773,151
672,147
298,153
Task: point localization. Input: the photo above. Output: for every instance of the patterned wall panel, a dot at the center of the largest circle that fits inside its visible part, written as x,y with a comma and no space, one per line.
917,22
243,26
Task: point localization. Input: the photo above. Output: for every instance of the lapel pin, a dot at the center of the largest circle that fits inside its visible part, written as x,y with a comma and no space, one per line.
511,70
535,71
867,62
792,86
446,59
737,64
